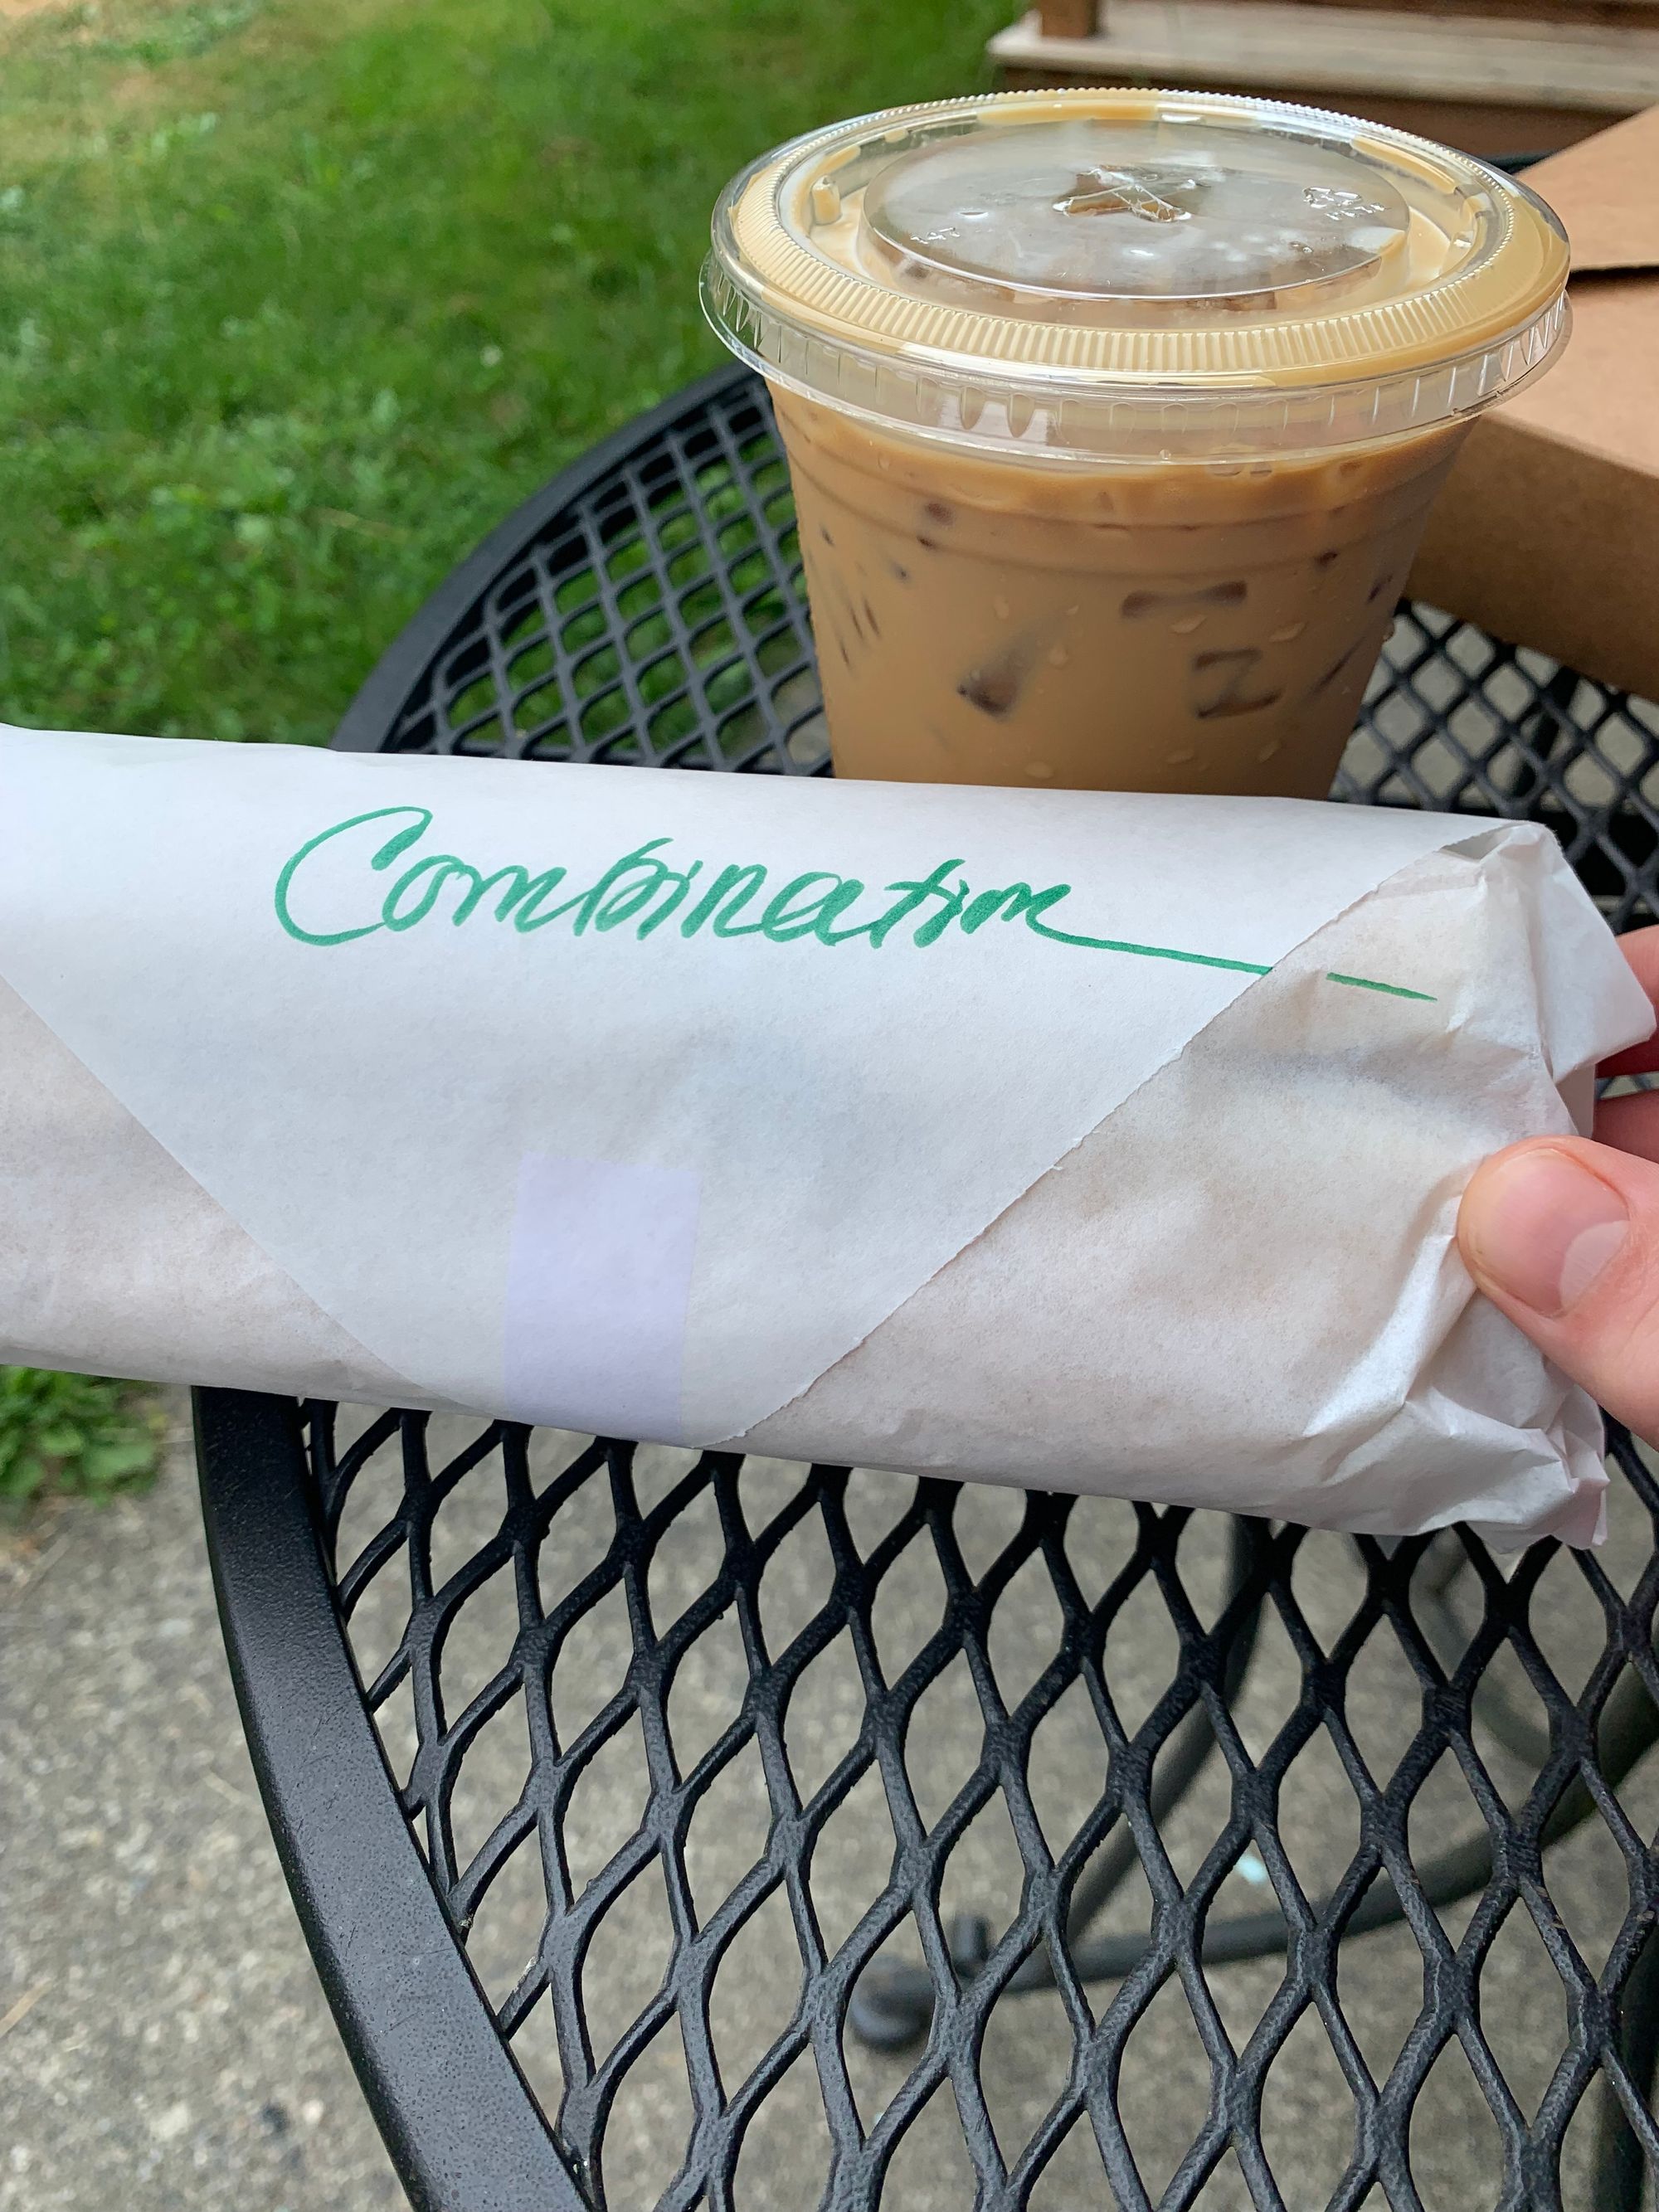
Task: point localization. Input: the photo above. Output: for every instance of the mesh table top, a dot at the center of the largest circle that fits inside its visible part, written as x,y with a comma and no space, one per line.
818,1836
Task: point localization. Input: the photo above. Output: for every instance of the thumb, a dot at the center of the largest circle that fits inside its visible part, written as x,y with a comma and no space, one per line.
1563,1235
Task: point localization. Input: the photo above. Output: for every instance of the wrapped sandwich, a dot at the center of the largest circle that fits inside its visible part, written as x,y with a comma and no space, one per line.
1096,1142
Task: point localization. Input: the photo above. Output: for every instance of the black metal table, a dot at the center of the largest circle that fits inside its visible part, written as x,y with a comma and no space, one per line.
1193,1743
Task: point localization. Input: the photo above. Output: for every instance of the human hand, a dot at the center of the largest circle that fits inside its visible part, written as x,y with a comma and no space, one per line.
1563,1235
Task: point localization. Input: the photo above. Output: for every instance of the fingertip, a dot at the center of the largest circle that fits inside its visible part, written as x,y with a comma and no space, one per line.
1540,1226
1484,1193
1562,1234
1641,950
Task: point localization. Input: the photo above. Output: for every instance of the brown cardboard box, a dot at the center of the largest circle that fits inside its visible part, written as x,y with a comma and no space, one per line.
1547,532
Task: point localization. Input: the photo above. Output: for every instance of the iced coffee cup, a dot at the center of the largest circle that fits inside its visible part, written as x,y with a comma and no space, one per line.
1114,417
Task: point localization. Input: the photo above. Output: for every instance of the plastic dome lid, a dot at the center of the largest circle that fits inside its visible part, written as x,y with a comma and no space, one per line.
1130,272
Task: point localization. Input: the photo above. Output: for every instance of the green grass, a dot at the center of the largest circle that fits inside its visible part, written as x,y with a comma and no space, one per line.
73,1435
300,297
297,299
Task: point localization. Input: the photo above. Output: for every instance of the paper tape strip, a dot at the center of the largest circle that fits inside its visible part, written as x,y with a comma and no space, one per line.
599,1283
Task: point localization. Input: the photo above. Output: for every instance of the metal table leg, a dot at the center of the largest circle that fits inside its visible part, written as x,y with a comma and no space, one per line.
463,2130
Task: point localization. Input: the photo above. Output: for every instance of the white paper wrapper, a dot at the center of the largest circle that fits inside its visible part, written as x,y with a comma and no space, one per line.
1101,1142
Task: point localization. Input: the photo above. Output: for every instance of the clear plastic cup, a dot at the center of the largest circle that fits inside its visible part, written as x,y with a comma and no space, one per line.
1113,418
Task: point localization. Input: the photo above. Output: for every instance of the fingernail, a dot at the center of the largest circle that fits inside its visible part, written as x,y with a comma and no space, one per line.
1541,1228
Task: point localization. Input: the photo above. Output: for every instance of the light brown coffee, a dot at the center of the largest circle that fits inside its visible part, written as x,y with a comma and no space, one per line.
1163,629
1114,417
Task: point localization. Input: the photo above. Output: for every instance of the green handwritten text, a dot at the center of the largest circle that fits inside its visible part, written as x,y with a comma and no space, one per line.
642,888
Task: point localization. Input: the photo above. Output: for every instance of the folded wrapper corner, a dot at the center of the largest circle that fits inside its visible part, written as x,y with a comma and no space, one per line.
1100,1209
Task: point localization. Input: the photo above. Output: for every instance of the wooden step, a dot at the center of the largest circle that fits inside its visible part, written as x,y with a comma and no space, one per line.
1594,67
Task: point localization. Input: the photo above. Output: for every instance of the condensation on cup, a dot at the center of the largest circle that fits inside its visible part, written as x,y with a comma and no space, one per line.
1113,418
